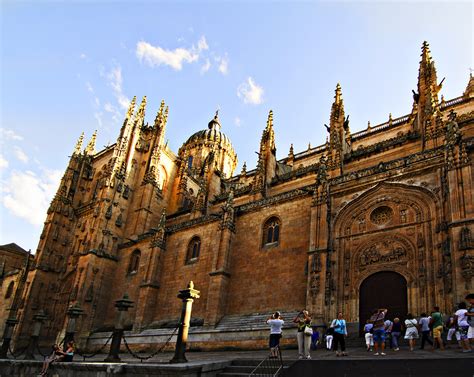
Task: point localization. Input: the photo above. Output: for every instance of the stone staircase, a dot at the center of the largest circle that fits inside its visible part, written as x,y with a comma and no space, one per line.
243,367
254,321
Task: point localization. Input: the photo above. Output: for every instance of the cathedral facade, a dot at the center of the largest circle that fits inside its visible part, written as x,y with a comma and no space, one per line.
380,217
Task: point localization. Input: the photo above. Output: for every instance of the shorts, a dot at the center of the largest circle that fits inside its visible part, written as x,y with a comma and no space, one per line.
369,339
470,332
379,335
451,332
437,331
463,330
274,340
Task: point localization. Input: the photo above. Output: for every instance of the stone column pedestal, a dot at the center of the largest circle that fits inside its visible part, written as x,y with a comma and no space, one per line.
187,296
122,306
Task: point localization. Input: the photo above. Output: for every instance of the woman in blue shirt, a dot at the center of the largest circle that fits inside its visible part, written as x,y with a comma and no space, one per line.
340,332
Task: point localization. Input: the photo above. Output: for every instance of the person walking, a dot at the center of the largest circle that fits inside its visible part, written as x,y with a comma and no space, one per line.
340,332
470,318
388,332
378,320
369,337
452,330
437,325
411,333
329,338
460,318
303,321
424,325
276,323
396,332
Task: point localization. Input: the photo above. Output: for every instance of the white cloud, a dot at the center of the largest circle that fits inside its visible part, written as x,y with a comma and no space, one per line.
89,87
27,195
202,44
223,65
83,56
20,155
237,121
115,81
250,92
98,117
157,56
206,66
3,162
6,134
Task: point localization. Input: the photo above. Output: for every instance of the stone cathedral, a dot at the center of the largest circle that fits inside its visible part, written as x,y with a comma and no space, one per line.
380,217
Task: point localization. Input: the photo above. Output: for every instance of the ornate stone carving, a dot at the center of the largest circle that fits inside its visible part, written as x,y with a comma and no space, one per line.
467,268
315,284
382,252
465,240
381,215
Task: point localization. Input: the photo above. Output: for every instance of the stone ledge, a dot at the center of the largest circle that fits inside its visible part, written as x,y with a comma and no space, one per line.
100,369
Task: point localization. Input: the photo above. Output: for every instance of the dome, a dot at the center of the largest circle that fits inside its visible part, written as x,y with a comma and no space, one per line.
213,135
196,149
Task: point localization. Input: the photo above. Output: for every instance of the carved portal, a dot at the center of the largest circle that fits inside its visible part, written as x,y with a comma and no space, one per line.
384,251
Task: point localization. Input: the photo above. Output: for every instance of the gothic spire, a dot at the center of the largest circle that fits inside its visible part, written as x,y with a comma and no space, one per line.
131,108
141,109
78,147
428,87
90,149
469,92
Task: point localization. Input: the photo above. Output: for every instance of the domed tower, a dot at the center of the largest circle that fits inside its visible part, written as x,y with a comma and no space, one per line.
206,158
209,149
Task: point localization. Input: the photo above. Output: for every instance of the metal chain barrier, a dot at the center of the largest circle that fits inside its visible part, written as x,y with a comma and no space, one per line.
22,351
41,353
84,356
142,358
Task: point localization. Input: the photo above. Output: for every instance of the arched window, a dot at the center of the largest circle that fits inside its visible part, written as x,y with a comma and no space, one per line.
194,248
10,290
271,232
134,262
190,162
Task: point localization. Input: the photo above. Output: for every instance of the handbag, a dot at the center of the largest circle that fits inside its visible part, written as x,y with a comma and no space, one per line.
308,331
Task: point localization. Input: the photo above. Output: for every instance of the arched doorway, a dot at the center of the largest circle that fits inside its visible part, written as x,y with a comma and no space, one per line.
385,289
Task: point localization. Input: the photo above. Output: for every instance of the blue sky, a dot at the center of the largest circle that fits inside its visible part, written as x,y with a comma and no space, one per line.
68,67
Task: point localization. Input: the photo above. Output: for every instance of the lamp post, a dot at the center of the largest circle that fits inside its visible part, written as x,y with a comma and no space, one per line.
38,319
187,296
7,336
73,313
122,306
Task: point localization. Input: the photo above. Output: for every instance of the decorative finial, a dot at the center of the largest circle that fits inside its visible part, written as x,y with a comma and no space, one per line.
131,108
244,169
338,92
291,153
90,149
368,125
309,145
78,147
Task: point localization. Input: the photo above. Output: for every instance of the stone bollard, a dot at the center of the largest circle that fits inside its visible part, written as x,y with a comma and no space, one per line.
7,336
122,306
38,319
73,313
187,295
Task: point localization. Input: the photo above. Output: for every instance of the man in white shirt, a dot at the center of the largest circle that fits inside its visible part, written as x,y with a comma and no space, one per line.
460,318
425,330
276,323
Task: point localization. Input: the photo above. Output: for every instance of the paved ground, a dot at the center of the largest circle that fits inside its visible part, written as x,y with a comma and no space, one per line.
291,354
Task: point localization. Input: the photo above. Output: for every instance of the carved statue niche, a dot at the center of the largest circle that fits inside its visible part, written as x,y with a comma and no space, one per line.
467,268
316,263
315,284
452,130
465,240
